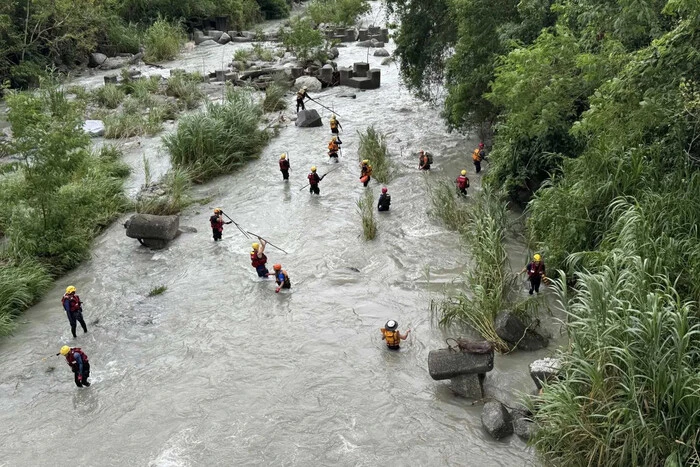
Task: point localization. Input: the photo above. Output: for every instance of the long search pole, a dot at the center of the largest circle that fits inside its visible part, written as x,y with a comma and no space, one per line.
234,223
311,98
267,243
321,177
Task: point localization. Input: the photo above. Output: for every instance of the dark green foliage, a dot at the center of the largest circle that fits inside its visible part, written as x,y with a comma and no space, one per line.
302,38
273,9
337,12
163,40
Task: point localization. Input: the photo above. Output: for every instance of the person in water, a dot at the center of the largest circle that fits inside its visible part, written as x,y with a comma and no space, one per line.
281,278
423,160
384,200
365,172
535,272
74,309
462,183
301,95
478,155
392,336
78,363
335,126
284,166
217,224
313,181
258,258
333,148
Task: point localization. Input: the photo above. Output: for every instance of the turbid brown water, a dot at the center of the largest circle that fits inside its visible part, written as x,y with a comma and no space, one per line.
220,370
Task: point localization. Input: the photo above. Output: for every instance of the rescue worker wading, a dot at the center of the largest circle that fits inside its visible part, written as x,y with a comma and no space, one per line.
365,172
78,362
423,160
535,271
74,309
284,166
384,200
281,278
333,148
301,95
258,258
392,336
462,183
335,125
478,155
217,224
313,181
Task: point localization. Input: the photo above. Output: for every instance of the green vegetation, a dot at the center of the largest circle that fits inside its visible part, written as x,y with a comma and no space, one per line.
186,88
373,147
110,96
274,9
448,207
219,139
365,208
337,12
597,108
163,40
157,290
176,184
274,98
59,198
302,38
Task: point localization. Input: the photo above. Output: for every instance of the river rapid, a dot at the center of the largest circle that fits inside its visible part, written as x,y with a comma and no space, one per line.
220,370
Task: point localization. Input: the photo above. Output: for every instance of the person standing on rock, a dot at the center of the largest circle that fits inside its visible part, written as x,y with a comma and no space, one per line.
314,178
301,95
258,258
281,278
217,224
384,200
333,148
365,172
535,271
74,309
424,160
284,166
478,155
78,362
462,183
392,336
335,126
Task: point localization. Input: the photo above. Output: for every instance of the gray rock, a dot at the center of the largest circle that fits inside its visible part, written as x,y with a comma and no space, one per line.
312,84
381,53
545,370
232,34
136,58
448,363
224,39
112,63
241,39
147,226
199,38
467,386
308,118
388,61
334,52
97,59
94,128
364,44
513,330
215,35
496,420
208,42
522,426
350,96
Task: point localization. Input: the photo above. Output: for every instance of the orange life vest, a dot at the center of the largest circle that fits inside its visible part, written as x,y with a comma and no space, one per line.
333,146
392,337
476,155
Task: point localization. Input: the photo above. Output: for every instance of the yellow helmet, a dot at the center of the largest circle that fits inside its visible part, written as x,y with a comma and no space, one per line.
64,350
335,138
366,161
313,168
537,257
283,156
256,245
217,211
464,172
70,289
333,117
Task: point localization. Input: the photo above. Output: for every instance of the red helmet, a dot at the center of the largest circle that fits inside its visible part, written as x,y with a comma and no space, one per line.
384,190
481,145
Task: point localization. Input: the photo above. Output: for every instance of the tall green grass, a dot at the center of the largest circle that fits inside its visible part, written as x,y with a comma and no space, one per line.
448,207
163,40
219,139
274,98
373,147
631,388
22,283
185,87
365,208
176,184
110,96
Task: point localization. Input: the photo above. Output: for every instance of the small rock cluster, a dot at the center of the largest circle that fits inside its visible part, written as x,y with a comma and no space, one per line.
513,329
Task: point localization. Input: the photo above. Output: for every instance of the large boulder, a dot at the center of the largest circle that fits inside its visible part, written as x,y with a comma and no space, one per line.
449,363
522,425
94,128
154,231
545,370
312,84
496,420
224,39
112,63
470,386
215,35
308,118
381,53
97,59
333,53
208,42
511,328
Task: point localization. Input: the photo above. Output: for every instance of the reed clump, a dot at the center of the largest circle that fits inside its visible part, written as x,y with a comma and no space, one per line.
373,147
365,208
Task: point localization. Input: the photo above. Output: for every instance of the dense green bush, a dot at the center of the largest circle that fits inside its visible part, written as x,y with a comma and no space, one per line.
163,40
220,139
274,9
302,38
337,12
373,147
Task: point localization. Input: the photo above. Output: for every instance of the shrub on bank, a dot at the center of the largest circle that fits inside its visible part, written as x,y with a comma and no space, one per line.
163,40
219,139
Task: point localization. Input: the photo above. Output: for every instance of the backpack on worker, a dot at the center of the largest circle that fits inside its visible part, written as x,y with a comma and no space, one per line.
430,157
